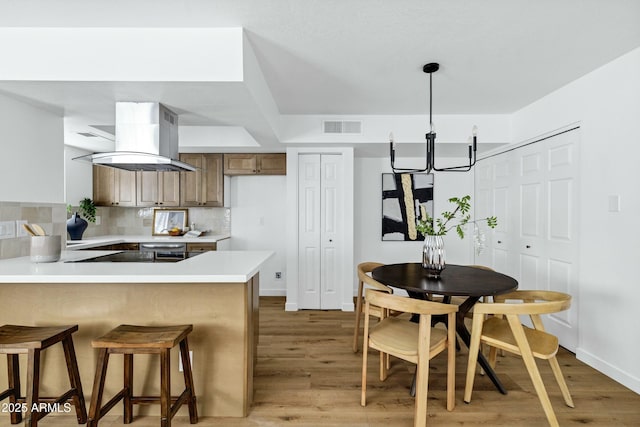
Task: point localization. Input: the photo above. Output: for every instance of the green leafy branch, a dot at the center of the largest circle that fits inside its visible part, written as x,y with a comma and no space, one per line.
442,225
87,209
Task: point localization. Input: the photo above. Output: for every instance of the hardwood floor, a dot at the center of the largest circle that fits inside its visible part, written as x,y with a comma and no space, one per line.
308,375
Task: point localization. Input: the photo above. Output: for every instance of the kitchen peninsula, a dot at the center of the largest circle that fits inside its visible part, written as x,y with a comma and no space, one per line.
217,292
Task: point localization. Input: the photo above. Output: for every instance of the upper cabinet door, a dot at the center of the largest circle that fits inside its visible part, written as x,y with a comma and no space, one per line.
125,187
203,187
113,187
212,180
103,186
272,164
255,164
158,189
147,188
240,164
191,182
169,189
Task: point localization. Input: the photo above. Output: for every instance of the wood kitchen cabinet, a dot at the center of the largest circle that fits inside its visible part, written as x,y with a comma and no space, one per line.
157,188
204,186
113,187
255,164
201,247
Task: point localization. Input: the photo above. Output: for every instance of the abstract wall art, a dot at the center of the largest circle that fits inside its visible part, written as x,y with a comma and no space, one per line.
402,196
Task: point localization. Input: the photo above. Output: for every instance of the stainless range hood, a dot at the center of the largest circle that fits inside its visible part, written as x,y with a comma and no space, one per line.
146,139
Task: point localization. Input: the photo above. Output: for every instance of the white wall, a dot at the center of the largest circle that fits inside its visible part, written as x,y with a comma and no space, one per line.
258,222
606,103
78,176
368,213
32,141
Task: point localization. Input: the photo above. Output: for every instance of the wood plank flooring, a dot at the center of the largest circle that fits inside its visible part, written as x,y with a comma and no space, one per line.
308,375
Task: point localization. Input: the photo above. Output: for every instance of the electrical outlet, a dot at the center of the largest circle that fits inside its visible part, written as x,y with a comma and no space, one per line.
20,231
7,229
98,220
180,368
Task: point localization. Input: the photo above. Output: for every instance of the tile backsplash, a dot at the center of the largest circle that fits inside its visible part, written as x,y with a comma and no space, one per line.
138,221
51,216
113,221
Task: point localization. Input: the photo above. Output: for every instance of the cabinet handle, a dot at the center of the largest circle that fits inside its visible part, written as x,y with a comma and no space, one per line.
499,241
528,246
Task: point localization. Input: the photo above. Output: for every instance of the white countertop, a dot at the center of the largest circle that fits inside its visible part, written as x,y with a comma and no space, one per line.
208,267
92,242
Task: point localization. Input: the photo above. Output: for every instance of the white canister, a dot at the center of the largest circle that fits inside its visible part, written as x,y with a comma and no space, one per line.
45,248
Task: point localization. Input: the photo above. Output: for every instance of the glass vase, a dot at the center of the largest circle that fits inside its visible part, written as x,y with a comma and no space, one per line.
433,256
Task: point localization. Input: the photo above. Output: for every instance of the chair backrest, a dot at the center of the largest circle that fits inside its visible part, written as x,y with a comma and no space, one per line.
482,267
367,267
407,305
534,304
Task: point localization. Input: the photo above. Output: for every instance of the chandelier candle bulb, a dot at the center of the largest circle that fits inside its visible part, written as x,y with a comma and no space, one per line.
392,148
474,132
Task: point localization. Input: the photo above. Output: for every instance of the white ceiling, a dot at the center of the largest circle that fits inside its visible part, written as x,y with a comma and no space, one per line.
355,57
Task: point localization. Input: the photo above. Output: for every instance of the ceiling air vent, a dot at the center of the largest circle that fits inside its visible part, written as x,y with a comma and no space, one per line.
342,126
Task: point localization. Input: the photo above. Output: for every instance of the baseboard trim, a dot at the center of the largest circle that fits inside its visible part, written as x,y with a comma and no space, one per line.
609,370
273,292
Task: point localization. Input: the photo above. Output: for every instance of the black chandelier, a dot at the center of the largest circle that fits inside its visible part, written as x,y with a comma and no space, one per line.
430,136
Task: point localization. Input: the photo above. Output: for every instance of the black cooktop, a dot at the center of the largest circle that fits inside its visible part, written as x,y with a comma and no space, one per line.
141,256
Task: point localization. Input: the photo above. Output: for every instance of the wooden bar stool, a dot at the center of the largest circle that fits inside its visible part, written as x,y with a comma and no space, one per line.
31,340
129,340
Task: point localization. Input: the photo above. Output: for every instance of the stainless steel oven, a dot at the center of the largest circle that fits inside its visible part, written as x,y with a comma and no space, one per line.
165,250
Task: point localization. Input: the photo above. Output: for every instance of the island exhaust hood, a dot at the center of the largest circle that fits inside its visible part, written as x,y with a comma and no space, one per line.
146,139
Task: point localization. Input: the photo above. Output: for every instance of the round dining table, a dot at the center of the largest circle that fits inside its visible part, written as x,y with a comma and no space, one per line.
455,280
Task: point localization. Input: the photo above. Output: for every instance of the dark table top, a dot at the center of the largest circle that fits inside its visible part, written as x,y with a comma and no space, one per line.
455,280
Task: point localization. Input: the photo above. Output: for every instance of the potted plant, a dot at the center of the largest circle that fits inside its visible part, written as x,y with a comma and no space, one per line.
433,254
76,225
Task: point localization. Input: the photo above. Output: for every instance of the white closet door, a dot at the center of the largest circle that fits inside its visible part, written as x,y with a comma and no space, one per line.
531,223
331,231
309,250
532,191
562,232
320,247
494,195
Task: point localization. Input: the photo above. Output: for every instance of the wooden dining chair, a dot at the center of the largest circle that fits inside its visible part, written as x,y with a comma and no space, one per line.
364,278
504,331
414,342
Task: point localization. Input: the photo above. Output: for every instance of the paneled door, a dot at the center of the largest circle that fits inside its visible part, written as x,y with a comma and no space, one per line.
494,195
562,246
532,191
320,249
